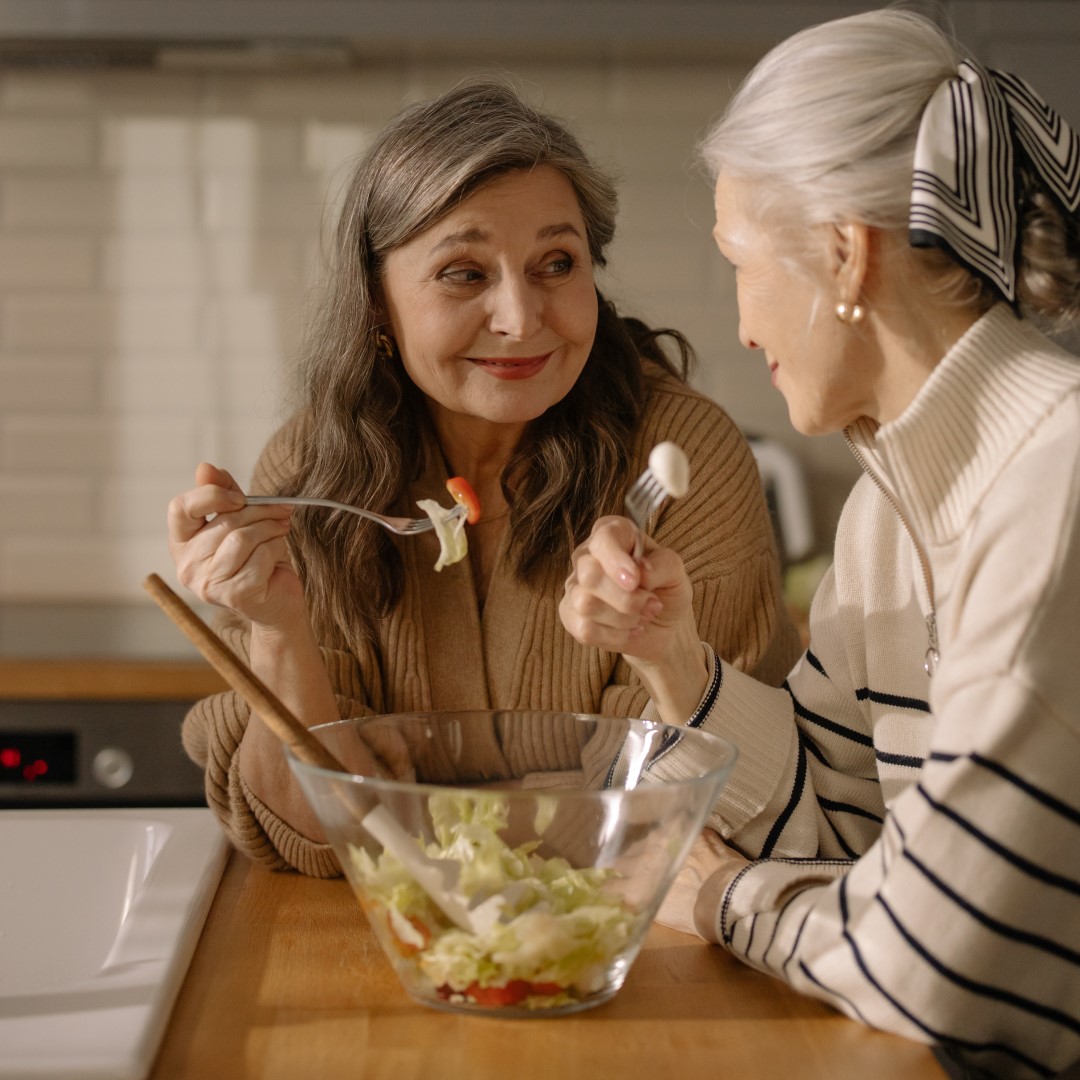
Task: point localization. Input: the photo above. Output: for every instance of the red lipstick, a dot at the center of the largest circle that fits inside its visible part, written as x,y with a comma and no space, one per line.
512,367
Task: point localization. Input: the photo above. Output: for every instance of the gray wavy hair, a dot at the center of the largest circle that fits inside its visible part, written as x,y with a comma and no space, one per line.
368,429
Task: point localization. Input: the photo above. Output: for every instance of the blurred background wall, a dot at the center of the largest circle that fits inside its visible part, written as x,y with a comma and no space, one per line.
166,169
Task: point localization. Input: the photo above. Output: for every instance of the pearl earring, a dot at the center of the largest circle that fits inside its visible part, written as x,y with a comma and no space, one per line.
849,313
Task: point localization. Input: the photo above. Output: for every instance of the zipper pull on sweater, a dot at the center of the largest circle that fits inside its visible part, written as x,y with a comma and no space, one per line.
930,662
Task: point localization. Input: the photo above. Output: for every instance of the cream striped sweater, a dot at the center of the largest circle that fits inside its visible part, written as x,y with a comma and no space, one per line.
437,651
919,838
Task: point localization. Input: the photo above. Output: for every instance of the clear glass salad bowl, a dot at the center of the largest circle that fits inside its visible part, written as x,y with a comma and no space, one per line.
515,871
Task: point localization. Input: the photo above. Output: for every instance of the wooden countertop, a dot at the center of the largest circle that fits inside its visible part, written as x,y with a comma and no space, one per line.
138,680
288,981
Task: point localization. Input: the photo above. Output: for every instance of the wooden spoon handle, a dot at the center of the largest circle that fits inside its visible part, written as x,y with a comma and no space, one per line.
242,679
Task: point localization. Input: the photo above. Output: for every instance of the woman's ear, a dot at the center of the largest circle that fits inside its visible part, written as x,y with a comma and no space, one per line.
382,313
849,259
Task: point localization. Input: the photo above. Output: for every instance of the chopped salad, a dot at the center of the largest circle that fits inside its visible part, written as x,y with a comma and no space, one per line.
545,933
450,523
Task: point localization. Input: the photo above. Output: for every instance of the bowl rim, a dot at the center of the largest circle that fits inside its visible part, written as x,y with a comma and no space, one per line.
728,747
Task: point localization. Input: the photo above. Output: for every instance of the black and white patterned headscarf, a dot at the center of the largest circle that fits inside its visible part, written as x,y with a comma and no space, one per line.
963,194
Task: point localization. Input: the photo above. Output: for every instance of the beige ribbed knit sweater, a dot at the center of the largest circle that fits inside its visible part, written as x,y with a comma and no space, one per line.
437,650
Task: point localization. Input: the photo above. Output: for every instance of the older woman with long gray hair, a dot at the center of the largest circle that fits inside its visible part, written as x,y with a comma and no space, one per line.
461,332
901,835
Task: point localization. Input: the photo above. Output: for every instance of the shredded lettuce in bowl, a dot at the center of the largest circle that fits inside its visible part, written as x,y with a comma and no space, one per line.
545,932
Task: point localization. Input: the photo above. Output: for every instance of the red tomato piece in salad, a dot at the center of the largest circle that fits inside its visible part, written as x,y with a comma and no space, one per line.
462,491
512,993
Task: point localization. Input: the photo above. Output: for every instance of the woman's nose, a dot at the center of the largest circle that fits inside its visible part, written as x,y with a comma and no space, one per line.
744,337
516,308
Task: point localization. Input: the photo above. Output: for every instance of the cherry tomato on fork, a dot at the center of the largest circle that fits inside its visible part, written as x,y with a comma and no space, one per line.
462,491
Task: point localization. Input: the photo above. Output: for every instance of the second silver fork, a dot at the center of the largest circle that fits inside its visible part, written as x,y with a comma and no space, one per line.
642,500
667,474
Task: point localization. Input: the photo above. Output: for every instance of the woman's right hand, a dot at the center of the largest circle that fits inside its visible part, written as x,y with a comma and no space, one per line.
643,610
234,555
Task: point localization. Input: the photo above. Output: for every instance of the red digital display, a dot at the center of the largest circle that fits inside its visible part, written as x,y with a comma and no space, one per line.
28,757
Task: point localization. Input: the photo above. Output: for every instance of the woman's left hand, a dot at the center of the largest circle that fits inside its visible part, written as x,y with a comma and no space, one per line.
694,899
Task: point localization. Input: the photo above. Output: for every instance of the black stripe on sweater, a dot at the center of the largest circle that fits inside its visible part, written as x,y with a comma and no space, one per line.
829,725
839,807
750,936
845,847
938,1036
1024,865
795,944
815,663
1068,812
899,759
852,1007
847,808
776,925
983,990
696,720
813,747
894,701
1012,933
785,815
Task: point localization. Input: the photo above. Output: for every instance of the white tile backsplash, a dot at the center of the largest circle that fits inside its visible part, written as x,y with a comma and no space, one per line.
100,445
46,143
145,144
48,260
158,232
47,320
53,506
43,383
164,383
86,569
153,261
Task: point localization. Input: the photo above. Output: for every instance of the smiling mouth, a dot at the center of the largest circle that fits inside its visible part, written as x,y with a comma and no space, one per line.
509,361
512,367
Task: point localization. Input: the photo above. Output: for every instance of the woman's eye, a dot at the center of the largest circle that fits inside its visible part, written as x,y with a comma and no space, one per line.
462,275
558,266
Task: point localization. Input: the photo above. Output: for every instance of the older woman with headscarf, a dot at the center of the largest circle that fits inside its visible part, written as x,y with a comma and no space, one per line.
901,835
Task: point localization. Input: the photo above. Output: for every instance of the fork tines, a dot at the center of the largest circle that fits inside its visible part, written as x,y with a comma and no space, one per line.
642,499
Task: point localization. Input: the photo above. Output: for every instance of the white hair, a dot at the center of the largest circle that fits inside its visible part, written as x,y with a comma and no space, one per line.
825,125
824,129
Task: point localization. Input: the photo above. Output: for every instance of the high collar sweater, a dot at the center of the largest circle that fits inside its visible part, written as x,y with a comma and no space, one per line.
917,838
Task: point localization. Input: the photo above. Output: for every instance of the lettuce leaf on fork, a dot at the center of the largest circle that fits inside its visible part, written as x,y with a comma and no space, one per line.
449,526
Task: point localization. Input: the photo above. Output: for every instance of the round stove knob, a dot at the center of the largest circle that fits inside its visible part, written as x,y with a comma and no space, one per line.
112,767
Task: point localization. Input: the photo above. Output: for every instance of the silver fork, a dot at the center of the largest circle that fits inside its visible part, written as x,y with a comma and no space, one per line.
642,500
668,473
401,526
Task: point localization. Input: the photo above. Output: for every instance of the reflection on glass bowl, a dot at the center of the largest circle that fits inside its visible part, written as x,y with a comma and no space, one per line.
514,864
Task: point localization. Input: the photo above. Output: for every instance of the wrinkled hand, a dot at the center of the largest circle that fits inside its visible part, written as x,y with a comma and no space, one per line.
642,610
694,899
234,555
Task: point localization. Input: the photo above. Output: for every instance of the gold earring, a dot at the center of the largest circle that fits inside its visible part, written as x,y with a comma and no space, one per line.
384,345
849,313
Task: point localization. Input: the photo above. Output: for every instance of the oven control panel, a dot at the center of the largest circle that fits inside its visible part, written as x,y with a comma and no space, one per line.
95,753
